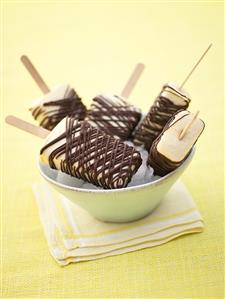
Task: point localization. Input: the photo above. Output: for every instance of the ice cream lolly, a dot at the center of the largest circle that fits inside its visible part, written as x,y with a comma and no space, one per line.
169,101
87,153
55,105
114,115
168,151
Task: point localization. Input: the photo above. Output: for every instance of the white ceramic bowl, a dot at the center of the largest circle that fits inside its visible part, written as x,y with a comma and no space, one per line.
119,205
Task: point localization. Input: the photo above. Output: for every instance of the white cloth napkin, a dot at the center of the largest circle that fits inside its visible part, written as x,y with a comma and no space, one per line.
73,235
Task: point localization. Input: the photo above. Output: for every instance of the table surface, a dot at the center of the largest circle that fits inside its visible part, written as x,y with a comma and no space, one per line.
94,46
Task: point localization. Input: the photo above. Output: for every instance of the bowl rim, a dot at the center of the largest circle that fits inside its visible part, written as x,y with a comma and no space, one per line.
126,189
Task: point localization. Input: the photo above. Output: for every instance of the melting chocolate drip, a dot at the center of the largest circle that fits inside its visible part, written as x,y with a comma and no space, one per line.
93,156
71,106
159,114
114,116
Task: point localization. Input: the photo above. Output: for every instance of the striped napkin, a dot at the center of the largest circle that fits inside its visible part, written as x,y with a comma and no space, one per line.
73,235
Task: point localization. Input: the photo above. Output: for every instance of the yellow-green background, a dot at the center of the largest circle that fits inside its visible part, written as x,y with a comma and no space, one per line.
94,46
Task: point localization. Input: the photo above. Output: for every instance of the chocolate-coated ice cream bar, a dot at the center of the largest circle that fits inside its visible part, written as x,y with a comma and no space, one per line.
168,151
87,153
169,101
54,106
114,115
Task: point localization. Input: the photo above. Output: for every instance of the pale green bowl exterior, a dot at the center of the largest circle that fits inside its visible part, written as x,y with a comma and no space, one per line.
120,205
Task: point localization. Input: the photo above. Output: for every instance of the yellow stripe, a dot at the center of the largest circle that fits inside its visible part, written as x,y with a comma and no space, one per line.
152,233
171,237
131,225
143,235
62,215
197,228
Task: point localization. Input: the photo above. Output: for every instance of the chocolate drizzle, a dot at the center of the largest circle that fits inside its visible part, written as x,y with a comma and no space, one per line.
114,116
93,156
49,114
159,114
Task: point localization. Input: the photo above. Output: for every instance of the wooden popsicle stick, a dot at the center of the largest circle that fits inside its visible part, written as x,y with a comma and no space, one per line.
195,66
184,131
34,73
128,88
25,126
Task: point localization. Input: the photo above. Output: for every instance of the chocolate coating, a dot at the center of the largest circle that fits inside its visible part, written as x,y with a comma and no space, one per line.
161,164
70,106
94,156
157,117
114,116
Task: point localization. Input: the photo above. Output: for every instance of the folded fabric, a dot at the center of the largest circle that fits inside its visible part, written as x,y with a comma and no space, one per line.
73,235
